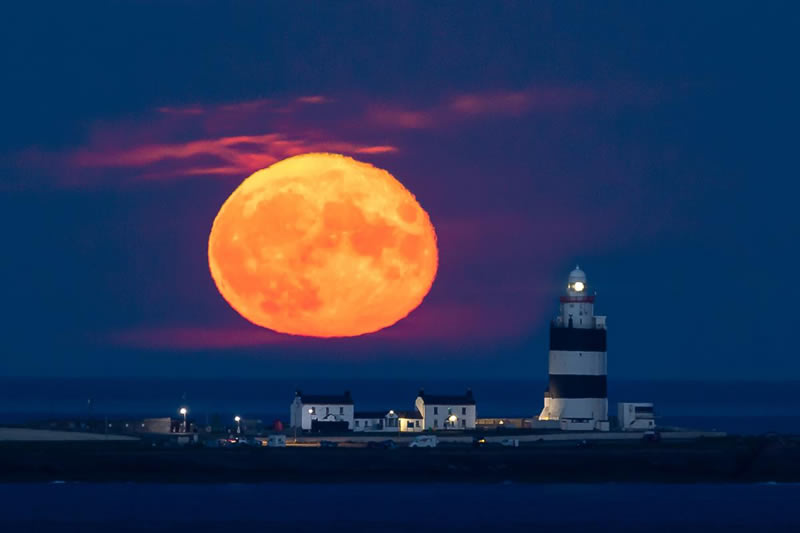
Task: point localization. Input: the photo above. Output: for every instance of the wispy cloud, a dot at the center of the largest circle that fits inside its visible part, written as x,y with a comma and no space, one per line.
196,338
223,155
433,323
467,106
237,138
315,99
517,103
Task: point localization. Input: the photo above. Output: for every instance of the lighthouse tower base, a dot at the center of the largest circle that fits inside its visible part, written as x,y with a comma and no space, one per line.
577,414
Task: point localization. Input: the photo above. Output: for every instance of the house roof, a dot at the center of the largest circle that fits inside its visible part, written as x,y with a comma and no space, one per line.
409,414
326,399
436,399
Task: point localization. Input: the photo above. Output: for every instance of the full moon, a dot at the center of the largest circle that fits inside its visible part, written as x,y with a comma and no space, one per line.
322,245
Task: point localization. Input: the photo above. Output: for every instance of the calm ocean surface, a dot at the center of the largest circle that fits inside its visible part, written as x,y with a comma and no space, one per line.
737,407
75,507
397,507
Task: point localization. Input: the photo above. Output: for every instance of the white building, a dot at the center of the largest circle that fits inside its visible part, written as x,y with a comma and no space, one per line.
635,416
376,421
446,412
577,391
388,421
316,411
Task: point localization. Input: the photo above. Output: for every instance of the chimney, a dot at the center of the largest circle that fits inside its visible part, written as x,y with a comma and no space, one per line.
469,394
298,392
347,395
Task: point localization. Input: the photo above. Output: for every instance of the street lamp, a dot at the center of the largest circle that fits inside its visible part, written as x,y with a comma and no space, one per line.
238,420
452,419
183,411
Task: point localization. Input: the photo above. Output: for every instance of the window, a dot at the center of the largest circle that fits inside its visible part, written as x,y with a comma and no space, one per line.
435,423
357,423
463,423
436,410
327,411
341,410
416,423
463,410
312,410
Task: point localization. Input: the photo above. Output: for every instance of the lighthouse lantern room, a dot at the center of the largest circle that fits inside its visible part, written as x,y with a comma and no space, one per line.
577,389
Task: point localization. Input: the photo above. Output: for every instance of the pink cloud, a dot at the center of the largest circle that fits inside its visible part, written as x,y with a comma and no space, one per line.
467,106
316,99
399,118
196,338
521,102
237,138
437,323
236,155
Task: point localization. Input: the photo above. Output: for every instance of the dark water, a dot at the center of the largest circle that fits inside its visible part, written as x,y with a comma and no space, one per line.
738,407
71,507
397,507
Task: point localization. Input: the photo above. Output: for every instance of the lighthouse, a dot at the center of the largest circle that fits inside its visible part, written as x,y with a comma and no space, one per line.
577,391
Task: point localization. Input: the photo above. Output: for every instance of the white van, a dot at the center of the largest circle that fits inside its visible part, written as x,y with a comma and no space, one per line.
424,441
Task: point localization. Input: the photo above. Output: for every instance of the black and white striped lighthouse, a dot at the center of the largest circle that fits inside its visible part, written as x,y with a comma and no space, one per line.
576,394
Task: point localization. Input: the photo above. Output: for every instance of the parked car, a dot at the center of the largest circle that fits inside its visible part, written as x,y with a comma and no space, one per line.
328,444
512,443
424,441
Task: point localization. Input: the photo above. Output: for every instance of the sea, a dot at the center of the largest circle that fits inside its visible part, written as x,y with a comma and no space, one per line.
388,507
747,408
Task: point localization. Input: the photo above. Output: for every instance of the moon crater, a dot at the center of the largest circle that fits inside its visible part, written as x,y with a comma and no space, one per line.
322,245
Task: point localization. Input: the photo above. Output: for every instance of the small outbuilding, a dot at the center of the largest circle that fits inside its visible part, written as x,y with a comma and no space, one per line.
635,416
375,421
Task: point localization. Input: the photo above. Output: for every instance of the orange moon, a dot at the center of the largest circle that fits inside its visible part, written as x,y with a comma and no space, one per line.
322,245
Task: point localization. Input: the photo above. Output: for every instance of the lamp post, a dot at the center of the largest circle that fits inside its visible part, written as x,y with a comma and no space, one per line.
183,411
238,421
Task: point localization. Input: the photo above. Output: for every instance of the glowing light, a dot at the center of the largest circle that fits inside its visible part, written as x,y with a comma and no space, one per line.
578,286
322,245
183,411
310,411
237,419
453,418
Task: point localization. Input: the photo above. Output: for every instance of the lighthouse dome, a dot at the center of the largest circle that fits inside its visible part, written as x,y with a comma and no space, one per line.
576,285
577,275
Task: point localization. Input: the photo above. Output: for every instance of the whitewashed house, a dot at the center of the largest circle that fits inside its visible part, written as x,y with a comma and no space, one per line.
446,412
387,421
315,412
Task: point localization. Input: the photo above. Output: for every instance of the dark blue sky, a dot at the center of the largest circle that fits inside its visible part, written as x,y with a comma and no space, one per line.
654,145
